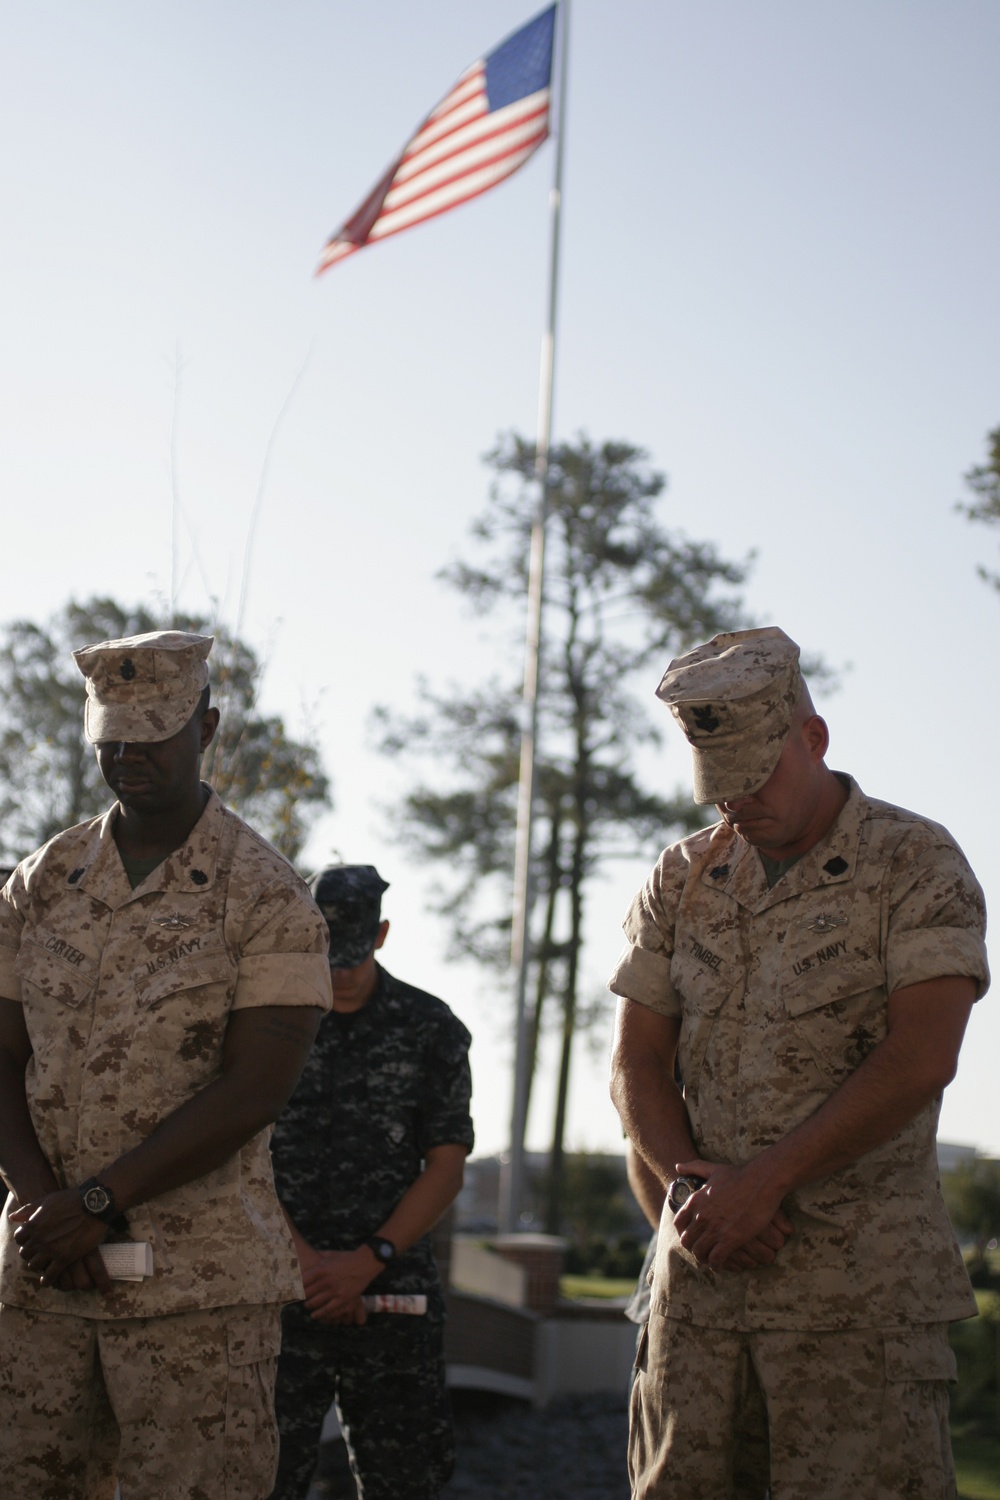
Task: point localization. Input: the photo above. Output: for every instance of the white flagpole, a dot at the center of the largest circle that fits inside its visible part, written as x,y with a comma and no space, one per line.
512,1181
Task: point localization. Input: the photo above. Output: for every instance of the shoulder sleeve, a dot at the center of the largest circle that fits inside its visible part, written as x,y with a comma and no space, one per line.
643,970
937,913
12,908
282,955
445,1117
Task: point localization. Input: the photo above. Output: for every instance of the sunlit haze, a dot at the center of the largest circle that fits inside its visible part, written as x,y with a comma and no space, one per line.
779,276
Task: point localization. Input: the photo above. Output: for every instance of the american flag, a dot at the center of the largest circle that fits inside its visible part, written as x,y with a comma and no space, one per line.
483,130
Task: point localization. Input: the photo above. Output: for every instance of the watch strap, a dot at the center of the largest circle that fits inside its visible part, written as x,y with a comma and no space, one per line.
383,1250
108,1213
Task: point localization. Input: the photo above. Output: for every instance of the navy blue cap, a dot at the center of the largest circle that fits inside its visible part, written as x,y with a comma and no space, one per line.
350,898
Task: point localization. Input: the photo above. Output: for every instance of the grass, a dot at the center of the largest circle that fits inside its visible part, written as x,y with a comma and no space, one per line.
576,1287
975,1413
977,1462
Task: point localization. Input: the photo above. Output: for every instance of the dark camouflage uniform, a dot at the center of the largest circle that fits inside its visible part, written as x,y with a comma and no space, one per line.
382,1086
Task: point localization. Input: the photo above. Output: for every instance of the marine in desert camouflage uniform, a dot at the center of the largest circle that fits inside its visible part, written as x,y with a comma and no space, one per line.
367,1157
811,962
162,973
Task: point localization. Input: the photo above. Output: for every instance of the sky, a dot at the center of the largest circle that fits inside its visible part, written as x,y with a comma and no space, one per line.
778,276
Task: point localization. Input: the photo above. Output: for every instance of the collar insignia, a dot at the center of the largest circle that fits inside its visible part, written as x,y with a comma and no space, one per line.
836,866
173,924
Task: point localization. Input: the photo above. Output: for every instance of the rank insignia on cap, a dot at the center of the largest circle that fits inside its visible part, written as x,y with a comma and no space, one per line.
835,866
143,688
734,698
705,718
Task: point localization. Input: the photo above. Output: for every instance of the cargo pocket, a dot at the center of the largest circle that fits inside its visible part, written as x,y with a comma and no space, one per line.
253,1339
639,1363
920,1354
637,1444
915,1446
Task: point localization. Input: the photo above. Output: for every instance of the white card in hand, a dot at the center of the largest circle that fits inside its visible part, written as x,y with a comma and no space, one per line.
127,1260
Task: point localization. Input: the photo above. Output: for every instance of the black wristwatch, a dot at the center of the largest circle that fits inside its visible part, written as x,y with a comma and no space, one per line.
680,1191
383,1250
99,1202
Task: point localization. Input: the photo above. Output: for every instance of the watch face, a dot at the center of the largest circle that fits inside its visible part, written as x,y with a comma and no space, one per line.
384,1250
96,1200
680,1192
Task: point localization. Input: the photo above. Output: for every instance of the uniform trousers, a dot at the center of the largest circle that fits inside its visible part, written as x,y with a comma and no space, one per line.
179,1407
387,1378
860,1414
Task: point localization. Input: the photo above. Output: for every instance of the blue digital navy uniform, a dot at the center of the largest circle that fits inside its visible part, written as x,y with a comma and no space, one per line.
382,1087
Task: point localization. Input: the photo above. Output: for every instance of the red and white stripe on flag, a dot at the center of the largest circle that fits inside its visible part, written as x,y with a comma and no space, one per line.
465,146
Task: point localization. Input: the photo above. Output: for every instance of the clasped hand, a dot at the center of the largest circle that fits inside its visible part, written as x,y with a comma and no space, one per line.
334,1281
57,1240
734,1222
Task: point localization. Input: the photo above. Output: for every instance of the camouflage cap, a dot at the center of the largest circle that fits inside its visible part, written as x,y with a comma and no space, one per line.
734,698
350,898
143,688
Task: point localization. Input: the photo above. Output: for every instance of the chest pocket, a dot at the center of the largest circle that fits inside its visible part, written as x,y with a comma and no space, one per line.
840,1012
188,973
186,1009
394,1098
51,969
704,989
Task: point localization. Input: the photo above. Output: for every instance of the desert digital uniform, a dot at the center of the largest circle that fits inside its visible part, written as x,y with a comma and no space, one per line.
781,993
381,1087
126,995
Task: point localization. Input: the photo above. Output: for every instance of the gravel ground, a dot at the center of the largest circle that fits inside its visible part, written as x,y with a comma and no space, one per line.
573,1450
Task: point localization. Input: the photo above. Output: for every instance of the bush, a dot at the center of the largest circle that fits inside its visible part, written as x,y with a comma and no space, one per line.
976,1343
616,1259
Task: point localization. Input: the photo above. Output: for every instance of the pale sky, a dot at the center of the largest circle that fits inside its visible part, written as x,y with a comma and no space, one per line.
779,277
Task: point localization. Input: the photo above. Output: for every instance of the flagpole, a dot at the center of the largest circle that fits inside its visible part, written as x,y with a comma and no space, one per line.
512,1181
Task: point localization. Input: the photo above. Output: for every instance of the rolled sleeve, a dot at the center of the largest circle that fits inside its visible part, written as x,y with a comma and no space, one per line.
642,972
645,977
283,953
935,954
937,923
283,979
10,985
446,1119
11,926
